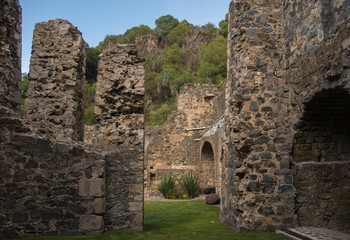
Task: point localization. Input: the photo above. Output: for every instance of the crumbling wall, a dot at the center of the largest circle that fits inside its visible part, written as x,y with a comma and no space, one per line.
54,101
317,61
55,187
286,138
258,192
174,148
10,54
120,127
48,187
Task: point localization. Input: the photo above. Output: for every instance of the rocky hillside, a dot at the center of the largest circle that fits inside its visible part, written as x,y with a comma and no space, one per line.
175,53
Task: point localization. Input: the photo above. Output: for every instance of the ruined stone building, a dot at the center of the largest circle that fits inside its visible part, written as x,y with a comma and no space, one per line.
51,183
275,145
281,149
286,145
176,147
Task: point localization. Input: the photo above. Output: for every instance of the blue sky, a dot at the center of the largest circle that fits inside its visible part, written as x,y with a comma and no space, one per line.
97,18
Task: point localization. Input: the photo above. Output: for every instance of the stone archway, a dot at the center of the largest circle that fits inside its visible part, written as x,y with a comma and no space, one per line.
321,157
208,166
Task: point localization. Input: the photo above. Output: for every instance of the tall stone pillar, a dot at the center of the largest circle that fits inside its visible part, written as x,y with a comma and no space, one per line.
258,192
10,54
55,95
120,127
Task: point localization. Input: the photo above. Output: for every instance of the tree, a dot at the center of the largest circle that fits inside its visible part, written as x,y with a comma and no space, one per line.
134,32
224,27
174,56
212,68
178,33
91,63
114,38
211,29
165,24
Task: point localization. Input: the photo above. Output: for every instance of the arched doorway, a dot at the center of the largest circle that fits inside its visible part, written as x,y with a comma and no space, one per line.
321,158
208,166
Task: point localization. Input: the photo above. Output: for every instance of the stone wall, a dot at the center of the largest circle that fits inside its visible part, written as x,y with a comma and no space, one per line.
54,101
65,187
10,54
48,187
174,148
317,62
286,137
120,127
258,191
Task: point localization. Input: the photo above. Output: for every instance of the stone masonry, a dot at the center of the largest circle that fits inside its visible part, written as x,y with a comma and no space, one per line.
174,148
48,187
286,142
54,100
119,113
278,156
64,187
10,54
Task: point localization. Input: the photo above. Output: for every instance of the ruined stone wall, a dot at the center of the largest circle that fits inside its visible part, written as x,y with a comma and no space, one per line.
10,54
317,61
48,187
174,148
120,127
286,138
54,102
258,192
55,187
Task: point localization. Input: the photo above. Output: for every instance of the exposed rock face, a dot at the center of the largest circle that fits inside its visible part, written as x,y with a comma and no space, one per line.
120,127
174,148
54,101
10,54
287,95
147,44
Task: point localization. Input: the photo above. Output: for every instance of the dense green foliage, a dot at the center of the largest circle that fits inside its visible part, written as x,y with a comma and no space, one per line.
212,68
167,187
165,24
91,63
178,220
189,184
178,58
157,115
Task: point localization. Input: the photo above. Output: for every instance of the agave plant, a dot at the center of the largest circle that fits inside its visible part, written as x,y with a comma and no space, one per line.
167,187
189,183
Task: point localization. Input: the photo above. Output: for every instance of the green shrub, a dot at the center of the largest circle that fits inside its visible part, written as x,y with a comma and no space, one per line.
189,183
167,187
89,116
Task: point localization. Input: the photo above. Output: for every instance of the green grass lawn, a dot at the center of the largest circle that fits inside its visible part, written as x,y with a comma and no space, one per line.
179,220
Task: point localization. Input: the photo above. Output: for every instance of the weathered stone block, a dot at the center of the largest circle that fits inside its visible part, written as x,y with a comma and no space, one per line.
135,206
54,213
91,223
91,187
99,205
20,217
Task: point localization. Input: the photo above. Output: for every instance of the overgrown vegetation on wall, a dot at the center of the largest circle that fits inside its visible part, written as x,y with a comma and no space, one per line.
182,53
